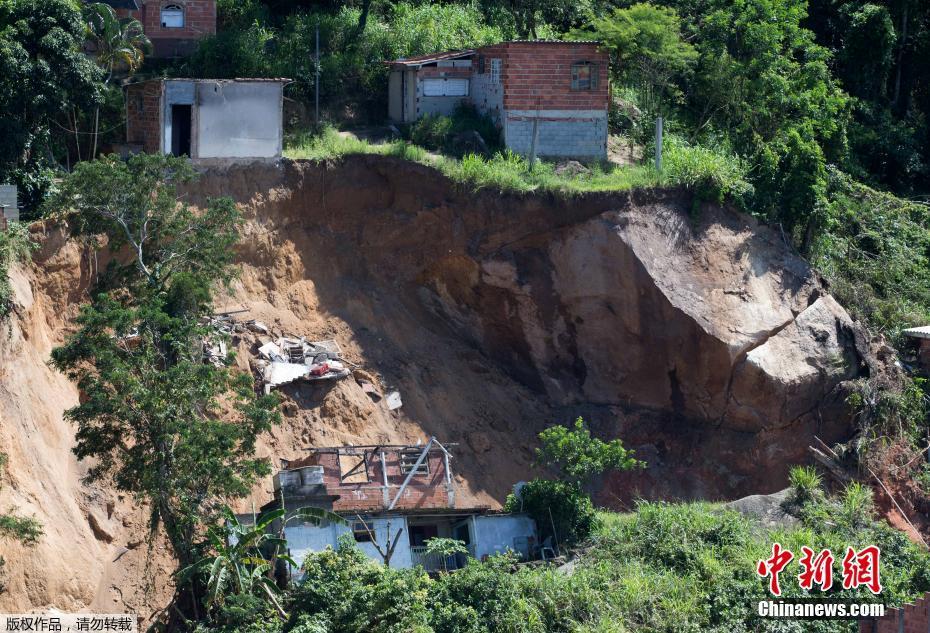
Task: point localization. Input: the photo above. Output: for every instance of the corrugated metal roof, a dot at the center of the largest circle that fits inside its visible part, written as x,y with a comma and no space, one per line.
918,332
551,42
122,4
202,79
419,60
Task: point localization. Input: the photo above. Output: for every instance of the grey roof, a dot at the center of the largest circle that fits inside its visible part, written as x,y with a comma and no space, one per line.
142,80
918,332
122,4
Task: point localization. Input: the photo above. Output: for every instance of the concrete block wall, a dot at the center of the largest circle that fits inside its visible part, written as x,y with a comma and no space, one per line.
911,618
560,133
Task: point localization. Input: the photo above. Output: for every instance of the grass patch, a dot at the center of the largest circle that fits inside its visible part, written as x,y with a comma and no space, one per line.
710,172
875,250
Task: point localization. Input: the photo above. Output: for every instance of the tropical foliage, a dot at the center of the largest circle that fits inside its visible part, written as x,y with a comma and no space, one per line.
158,422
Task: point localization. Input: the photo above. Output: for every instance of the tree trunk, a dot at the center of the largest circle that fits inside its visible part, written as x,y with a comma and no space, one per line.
900,62
363,18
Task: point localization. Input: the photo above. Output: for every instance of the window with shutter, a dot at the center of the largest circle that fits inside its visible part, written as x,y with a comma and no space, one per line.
445,87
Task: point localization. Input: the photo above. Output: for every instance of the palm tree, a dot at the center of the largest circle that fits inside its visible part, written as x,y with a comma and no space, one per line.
120,45
238,562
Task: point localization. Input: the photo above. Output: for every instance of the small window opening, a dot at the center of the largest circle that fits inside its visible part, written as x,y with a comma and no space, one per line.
362,531
408,460
172,16
584,76
496,71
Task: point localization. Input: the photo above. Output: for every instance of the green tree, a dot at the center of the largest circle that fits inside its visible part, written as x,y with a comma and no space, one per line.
43,75
445,548
563,511
242,557
578,456
174,431
647,50
119,45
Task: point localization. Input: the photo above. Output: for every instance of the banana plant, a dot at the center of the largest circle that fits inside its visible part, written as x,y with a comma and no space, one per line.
119,43
238,564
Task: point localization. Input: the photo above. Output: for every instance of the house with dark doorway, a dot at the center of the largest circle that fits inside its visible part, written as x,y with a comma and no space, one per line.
206,118
173,26
548,95
401,495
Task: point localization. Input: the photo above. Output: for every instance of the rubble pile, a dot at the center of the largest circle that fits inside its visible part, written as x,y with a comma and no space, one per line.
282,360
288,359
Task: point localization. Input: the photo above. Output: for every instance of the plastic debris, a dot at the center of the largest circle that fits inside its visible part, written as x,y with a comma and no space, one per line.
393,400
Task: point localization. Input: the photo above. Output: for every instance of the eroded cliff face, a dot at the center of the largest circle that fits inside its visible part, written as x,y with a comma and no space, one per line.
701,341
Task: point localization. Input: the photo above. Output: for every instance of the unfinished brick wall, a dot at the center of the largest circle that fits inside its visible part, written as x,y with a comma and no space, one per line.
143,120
538,93
423,492
911,618
539,75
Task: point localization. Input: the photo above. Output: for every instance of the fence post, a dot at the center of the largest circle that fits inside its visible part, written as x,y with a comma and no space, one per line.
659,144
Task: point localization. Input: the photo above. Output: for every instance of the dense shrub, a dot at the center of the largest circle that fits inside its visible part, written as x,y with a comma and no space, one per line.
557,505
446,133
664,567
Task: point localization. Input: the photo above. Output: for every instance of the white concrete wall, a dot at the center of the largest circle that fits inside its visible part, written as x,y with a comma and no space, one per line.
8,201
239,119
496,533
305,539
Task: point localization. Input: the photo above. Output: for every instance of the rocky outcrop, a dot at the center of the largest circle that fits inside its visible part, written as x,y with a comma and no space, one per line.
699,339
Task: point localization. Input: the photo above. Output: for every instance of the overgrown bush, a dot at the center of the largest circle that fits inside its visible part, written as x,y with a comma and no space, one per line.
555,505
664,567
875,250
712,172
15,246
439,132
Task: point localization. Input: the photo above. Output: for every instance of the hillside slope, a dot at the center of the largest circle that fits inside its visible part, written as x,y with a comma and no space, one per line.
702,342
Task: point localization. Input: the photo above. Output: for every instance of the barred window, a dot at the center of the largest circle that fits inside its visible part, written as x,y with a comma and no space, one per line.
409,458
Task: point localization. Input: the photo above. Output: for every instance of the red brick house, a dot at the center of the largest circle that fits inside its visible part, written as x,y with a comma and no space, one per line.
173,26
557,92
402,494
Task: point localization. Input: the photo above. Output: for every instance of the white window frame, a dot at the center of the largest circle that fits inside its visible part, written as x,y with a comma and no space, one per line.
496,66
445,87
175,11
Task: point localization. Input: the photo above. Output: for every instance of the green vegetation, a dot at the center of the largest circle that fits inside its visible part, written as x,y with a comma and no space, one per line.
15,246
875,250
562,508
664,567
579,457
44,80
159,423
713,174
120,44
24,530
